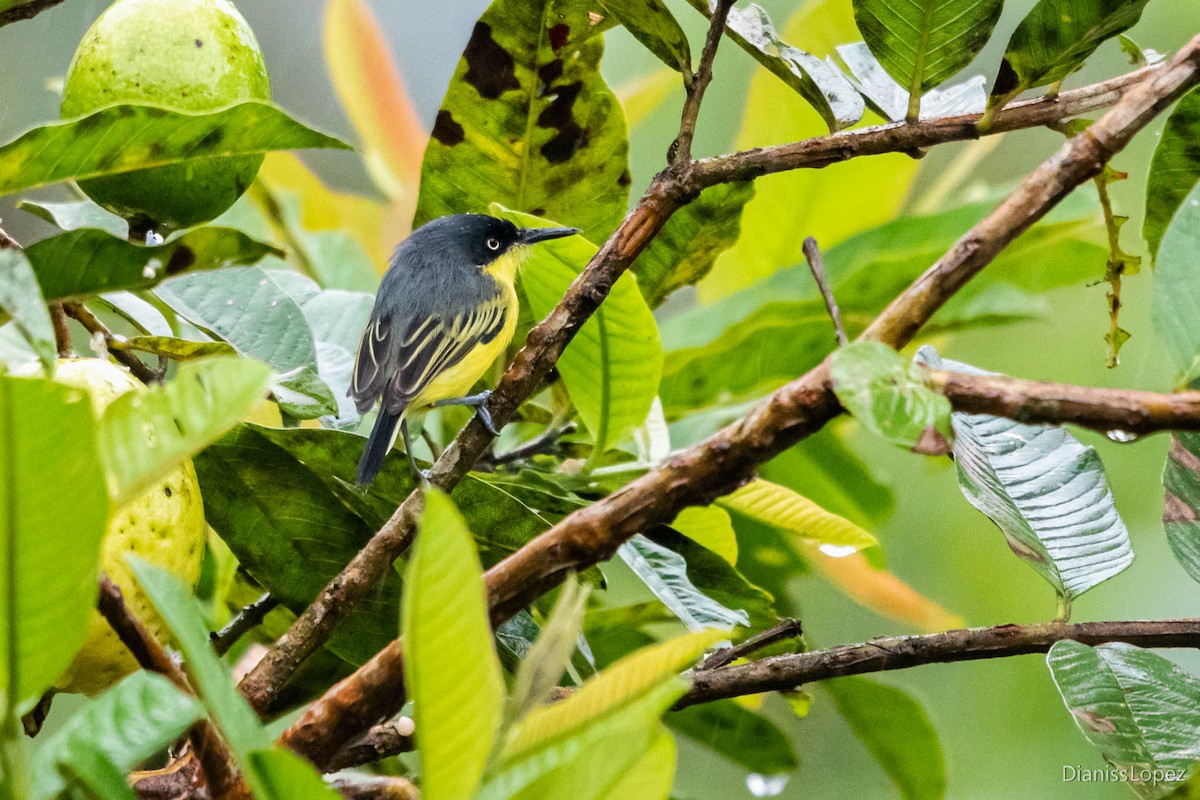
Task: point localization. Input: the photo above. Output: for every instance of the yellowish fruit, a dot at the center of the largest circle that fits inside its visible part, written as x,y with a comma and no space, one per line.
191,55
165,526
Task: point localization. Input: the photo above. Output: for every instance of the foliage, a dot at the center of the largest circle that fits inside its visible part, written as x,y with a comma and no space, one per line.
248,328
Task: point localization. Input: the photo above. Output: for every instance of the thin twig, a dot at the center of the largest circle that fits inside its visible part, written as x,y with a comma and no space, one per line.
546,443
377,743
223,778
7,242
1106,410
680,151
901,652
375,787
246,620
94,326
788,629
816,264
62,334
798,410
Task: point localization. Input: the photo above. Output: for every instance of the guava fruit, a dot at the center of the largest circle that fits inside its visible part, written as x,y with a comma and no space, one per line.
189,55
165,526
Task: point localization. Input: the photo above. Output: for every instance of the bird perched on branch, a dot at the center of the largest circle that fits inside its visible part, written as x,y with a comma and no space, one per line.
446,309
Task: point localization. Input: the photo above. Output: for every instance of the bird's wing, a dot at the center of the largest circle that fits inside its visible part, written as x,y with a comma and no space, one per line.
398,364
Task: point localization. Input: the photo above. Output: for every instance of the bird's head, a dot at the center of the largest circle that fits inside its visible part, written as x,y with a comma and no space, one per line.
492,244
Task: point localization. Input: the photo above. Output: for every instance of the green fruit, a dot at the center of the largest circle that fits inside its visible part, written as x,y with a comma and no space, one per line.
190,55
165,526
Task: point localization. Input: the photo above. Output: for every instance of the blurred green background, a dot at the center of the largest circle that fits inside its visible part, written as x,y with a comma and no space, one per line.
1004,730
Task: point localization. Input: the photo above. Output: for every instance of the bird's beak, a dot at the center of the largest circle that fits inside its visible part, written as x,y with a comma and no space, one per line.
535,235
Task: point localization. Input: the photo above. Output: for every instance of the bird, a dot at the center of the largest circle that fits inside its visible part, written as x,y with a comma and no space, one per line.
446,308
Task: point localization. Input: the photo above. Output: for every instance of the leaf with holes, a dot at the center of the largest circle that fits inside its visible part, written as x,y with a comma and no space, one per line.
528,122
1137,708
923,43
1045,491
124,138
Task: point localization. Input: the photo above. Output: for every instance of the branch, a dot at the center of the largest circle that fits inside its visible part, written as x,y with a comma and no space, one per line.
94,326
791,414
27,10
680,151
816,265
246,620
901,652
222,776
1104,410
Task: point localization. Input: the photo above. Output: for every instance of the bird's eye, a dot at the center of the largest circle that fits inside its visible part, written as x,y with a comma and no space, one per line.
493,244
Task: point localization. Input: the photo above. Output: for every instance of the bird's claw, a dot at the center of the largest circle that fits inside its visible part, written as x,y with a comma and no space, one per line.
485,417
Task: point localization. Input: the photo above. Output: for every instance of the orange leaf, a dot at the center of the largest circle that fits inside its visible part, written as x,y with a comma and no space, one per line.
881,591
372,92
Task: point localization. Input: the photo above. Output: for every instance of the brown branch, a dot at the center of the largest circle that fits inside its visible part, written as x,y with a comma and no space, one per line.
711,468
94,326
62,334
378,742
27,10
1105,410
246,620
680,151
376,787
901,652
788,629
221,773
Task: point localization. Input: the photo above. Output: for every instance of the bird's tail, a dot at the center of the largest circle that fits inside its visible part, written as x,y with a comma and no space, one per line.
378,444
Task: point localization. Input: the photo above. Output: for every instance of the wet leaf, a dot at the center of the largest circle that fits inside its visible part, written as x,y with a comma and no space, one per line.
889,99
1174,169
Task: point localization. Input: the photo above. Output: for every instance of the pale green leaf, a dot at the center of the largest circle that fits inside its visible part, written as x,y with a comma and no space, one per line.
650,777
1137,708
665,574
745,737
71,216
1177,287
543,665
145,434
890,99
711,528
21,301
124,138
612,367
1181,503
890,396
451,668
283,775
47,579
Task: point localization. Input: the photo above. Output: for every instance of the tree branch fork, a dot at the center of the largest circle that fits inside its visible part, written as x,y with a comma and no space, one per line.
717,465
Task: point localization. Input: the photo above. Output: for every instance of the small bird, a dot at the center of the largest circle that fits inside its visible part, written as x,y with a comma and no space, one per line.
446,309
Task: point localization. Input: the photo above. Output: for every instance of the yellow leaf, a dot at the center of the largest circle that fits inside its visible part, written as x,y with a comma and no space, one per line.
783,508
709,527
641,96
369,85
881,591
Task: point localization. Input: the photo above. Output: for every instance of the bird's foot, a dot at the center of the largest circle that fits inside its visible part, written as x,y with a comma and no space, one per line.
479,403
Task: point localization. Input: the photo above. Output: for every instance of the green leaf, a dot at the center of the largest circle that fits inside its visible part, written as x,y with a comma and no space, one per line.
895,728
812,202
1177,287
124,726
78,214
146,434
1181,503
179,349
820,83
450,667
284,502
128,137
1137,708
650,777
612,367
891,397
652,24
47,580
923,43
794,514
1174,169
689,244
336,318
1056,37
247,309
543,665
283,775
88,261
745,737
636,677
1045,491
21,300
892,101
665,574
528,122
709,527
